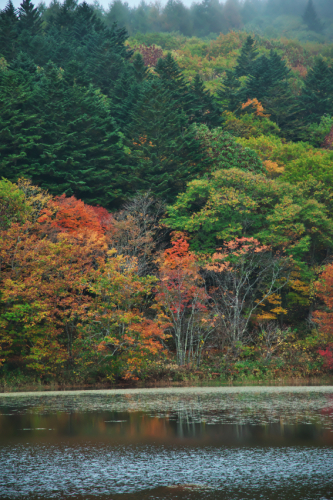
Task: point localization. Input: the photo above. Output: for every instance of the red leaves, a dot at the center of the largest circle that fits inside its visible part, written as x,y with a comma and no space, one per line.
328,142
149,54
72,216
324,289
328,356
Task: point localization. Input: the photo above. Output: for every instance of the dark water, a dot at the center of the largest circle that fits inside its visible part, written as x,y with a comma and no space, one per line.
224,443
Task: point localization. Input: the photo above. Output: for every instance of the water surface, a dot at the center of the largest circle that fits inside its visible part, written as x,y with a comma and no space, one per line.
197,443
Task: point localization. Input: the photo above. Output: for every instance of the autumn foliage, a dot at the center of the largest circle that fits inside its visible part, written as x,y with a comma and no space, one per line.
324,317
59,280
183,301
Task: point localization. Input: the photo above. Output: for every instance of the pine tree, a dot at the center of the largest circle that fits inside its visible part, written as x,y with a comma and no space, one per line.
173,79
266,74
8,31
19,134
124,96
165,152
246,58
204,108
24,63
311,19
317,95
230,91
61,136
29,18
139,69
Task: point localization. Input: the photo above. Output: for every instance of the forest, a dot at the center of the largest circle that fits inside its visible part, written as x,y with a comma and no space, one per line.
166,193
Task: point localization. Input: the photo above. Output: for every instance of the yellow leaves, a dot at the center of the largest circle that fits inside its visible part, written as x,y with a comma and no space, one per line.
36,198
271,313
3,64
273,168
256,105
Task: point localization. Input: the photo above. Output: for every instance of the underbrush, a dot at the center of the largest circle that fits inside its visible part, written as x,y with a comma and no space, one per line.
294,360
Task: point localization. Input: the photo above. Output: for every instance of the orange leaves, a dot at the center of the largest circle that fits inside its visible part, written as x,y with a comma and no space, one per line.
328,142
324,289
74,216
117,326
222,259
256,105
300,69
183,302
273,168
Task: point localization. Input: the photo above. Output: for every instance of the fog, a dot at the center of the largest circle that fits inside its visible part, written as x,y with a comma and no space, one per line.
305,20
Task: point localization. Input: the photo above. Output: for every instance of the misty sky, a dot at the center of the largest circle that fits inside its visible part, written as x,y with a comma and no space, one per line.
105,3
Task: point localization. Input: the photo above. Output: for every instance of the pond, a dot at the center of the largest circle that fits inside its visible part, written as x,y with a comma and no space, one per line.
190,443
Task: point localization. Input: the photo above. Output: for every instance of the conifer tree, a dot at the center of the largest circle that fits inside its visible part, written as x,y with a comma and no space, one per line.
266,73
230,91
24,63
19,135
139,69
194,100
311,19
203,105
61,136
317,95
246,58
29,18
166,153
172,78
124,97
8,31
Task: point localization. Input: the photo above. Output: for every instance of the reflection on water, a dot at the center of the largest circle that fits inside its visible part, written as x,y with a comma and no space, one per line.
243,443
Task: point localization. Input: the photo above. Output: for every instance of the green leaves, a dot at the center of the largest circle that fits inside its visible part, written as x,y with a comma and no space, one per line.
232,203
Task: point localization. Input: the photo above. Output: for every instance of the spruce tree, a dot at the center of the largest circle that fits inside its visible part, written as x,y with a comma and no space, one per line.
204,108
139,69
24,63
29,18
61,136
311,19
266,73
173,79
19,129
317,95
165,152
198,104
229,94
8,31
246,58
124,97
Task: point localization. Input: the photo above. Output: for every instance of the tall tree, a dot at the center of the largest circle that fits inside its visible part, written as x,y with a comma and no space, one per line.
203,105
8,31
246,58
165,151
229,92
29,18
317,95
61,136
311,19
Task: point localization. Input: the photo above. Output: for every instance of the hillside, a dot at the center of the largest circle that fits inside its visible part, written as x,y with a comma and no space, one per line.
166,201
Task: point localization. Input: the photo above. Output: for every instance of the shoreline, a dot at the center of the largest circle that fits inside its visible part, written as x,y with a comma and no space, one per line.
288,382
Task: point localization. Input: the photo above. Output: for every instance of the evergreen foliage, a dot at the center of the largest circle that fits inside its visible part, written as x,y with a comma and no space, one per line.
246,58
165,149
62,137
311,19
204,107
29,18
317,94
8,31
